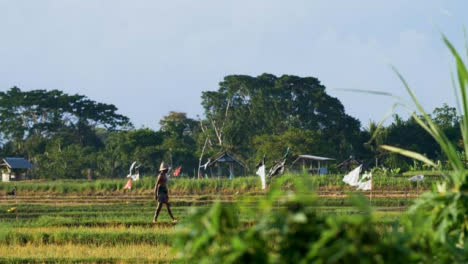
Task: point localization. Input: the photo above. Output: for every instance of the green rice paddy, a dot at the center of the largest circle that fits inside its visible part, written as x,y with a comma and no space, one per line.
80,221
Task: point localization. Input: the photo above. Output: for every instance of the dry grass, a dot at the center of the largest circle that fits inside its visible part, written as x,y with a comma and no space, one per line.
94,254
113,229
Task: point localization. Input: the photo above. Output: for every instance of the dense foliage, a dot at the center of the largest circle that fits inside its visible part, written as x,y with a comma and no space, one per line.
291,228
71,136
434,230
251,116
268,105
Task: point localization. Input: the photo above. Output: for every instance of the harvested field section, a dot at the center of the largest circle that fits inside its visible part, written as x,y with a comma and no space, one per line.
85,254
95,222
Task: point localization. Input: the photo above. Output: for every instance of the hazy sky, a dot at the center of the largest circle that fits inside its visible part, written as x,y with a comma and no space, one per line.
152,57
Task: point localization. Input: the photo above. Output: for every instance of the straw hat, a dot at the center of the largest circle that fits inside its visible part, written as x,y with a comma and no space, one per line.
163,166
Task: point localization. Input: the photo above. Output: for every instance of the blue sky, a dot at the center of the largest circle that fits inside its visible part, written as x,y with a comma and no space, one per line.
152,57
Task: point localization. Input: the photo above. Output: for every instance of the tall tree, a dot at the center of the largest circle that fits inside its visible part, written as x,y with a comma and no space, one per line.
124,147
23,113
445,116
53,128
179,140
267,104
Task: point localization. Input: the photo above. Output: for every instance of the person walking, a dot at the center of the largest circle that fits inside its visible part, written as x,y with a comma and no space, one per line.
161,194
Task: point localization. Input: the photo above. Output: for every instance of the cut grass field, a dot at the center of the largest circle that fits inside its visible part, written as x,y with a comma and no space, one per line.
103,225
114,233
72,253
127,236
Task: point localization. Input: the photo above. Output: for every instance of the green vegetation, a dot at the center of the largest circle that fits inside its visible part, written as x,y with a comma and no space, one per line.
57,228
214,186
290,229
73,137
301,218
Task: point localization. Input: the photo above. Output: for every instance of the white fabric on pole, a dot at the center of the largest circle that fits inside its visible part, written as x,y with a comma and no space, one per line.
365,185
134,177
204,166
366,176
261,173
417,178
131,168
352,178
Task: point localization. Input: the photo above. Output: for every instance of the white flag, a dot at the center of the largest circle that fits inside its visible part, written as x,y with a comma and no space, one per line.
204,166
130,173
352,178
261,173
136,176
365,185
366,176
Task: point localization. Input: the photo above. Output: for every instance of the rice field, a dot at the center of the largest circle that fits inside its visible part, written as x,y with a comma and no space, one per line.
96,222
209,185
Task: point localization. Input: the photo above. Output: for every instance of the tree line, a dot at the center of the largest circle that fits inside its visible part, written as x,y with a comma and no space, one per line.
69,136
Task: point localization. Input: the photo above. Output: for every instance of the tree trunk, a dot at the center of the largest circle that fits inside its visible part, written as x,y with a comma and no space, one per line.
90,174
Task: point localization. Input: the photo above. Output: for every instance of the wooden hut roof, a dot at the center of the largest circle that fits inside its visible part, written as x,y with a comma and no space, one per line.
311,157
226,157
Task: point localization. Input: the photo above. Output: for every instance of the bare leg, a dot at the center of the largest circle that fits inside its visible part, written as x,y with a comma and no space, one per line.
168,206
156,214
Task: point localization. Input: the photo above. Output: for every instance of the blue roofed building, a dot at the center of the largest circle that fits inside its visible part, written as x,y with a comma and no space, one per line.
14,169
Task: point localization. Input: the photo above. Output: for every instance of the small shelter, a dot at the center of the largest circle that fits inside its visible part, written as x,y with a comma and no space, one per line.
349,164
15,169
308,161
226,163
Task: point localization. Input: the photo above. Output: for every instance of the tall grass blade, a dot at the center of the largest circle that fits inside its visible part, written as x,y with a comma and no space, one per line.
380,124
462,81
445,144
410,154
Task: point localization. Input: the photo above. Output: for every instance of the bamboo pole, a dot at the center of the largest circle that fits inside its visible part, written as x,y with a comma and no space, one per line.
205,132
201,157
417,188
371,187
225,118
16,205
406,195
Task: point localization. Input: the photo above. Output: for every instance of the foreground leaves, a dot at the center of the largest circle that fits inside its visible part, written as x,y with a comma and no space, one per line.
290,230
